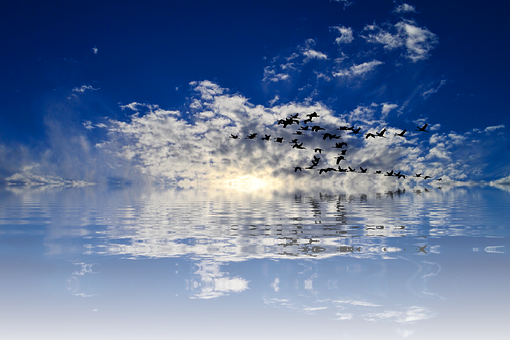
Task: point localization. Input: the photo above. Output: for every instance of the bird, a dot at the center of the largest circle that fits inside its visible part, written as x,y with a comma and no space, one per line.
341,170
340,145
313,115
338,159
351,169
344,128
369,135
300,133
311,166
422,128
316,128
355,131
297,168
234,136
381,133
266,137
400,176
439,179
426,177
298,146
294,141
401,134
363,170
278,140
378,172
389,173
417,175
304,128
251,136
319,150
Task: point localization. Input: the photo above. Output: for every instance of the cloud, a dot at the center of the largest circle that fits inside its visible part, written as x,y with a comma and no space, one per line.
95,50
417,41
84,88
494,128
387,108
346,3
358,70
312,54
431,91
346,36
404,8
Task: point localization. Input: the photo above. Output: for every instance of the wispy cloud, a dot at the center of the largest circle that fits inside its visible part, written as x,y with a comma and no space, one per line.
405,8
431,91
358,70
346,35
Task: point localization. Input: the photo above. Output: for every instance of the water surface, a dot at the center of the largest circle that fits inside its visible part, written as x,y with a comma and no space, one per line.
129,263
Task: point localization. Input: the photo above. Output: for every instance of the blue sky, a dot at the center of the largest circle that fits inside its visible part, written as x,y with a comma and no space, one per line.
94,90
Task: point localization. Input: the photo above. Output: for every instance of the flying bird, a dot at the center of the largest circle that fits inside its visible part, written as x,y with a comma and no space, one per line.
363,170
319,150
233,136
297,168
381,133
266,137
339,145
316,128
422,128
278,140
251,136
338,159
355,131
401,134
369,135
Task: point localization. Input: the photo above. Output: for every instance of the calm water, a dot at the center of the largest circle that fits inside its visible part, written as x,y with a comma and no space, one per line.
131,263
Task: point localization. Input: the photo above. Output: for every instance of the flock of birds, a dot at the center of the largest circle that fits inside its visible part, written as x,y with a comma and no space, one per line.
293,119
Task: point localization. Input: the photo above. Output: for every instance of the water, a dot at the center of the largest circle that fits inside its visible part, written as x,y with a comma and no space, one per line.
160,264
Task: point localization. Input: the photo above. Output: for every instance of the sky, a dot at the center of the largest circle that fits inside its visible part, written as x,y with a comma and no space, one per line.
109,92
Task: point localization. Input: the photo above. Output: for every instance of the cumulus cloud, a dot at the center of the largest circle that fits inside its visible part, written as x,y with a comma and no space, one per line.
494,128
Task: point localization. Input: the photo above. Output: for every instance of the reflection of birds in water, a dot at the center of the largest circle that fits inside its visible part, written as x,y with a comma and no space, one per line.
266,137
422,128
234,136
251,136
319,150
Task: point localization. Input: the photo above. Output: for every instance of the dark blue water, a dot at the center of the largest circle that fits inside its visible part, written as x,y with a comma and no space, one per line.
128,263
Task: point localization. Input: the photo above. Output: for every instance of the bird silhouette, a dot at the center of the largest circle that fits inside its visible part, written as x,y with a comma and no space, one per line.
355,131
297,168
422,128
266,137
389,173
351,169
369,135
251,136
278,140
343,152
401,134
298,146
439,179
363,170
319,150
313,115
344,128
316,128
426,177
417,175
381,133
339,145
233,136
400,176
338,159
304,128
299,133
378,172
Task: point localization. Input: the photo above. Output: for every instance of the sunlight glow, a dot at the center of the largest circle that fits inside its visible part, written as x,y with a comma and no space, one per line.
252,183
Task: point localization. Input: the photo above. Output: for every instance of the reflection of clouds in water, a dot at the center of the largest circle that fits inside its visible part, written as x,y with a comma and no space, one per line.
408,315
73,283
213,283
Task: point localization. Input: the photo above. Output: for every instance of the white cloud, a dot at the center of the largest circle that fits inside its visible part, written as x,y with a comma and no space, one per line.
312,54
346,36
95,50
404,8
358,70
84,88
346,3
419,41
387,108
494,128
431,91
